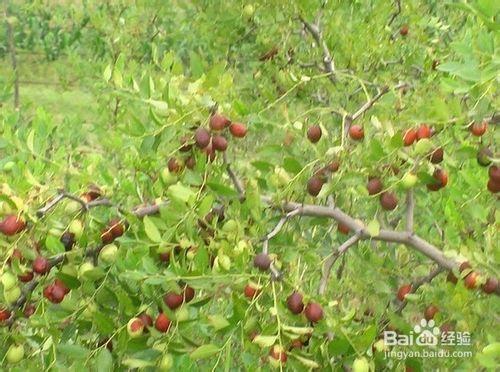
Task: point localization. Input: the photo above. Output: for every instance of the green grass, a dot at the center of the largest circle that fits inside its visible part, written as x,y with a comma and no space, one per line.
53,86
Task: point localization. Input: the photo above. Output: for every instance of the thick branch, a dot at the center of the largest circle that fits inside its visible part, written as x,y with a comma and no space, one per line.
327,267
392,236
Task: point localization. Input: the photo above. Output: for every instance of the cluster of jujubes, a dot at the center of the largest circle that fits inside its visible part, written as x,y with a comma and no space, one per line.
209,140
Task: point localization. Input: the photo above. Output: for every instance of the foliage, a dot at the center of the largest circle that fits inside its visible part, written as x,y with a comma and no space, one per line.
127,80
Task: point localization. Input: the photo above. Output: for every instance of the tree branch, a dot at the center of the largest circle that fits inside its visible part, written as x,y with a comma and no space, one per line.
418,283
12,51
392,236
315,31
236,181
327,267
410,207
396,13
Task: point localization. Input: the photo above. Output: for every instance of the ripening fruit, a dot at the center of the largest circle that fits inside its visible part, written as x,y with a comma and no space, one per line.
210,152
374,186
202,138
135,327
26,277
314,133
173,300
166,363
388,201
409,137
490,286
314,185
437,155
68,240
8,280
11,295
41,265
423,132
294,303
361,364
493,186
343,229
162,323
146,320
168,177
440,180
14,354
484,156
278,354
188,293
4,314
313,312
219,143
464,266
11,225
250,291
117,227
494,173
190,162
248,11
403,31
403,291
409,180
174,165
262,261
107,237
54,293
430,312
29,310
108,253
451,278
333,166
76,228
84,269
59,283
478,129
470,280
230,226
356,132
185,145
238,130
219,122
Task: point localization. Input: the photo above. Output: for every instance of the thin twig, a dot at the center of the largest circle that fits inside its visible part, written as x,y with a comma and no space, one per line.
371,102
328,61
12,51
277,229
236,181
410,207
396,13
327,266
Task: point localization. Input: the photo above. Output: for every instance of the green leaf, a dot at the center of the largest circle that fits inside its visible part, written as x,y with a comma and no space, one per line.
151,230
307,362
53,244
222,189
72,351
373,228
181,192
264,341
292,165
104,360
218,321
204,351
